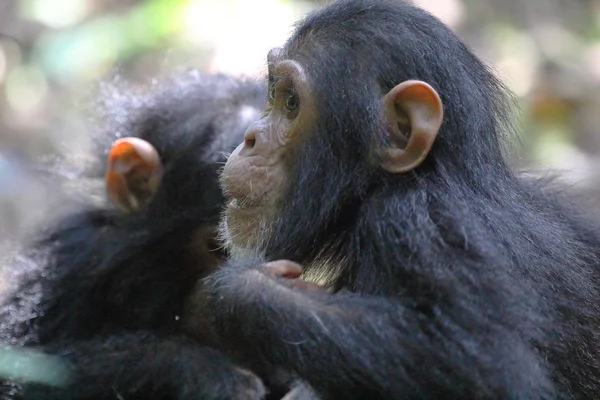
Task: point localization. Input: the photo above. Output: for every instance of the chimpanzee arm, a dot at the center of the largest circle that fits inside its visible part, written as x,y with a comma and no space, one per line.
361,346
141,365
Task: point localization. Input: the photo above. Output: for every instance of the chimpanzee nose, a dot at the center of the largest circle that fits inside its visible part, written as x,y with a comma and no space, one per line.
249,140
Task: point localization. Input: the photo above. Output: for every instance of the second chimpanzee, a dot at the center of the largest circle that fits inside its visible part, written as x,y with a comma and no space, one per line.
378,166
113,283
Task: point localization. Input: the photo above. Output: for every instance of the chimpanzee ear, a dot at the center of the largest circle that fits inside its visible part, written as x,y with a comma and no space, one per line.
414,113
133,173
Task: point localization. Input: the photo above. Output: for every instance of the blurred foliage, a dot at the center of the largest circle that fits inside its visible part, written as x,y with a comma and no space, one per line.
52,52
32,366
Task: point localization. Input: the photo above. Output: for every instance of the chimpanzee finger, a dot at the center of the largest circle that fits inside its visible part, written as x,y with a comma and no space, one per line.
291,271
306,286
284,269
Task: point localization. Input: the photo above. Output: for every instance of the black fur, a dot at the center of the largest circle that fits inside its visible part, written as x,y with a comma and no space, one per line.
459,280
110,290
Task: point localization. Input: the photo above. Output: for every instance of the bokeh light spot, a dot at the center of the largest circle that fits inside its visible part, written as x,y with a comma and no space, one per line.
26,87
56,13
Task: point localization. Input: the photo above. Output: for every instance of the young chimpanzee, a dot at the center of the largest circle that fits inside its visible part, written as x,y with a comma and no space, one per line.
378,167
111,292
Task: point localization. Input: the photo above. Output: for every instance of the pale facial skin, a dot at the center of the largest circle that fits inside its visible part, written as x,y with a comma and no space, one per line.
255,175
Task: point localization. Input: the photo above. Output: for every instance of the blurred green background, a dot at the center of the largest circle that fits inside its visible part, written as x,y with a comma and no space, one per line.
52,52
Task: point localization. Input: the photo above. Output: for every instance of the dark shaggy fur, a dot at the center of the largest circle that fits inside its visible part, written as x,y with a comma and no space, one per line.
109,292
459,280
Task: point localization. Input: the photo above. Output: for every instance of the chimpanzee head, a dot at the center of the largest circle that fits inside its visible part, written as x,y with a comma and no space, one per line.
358,101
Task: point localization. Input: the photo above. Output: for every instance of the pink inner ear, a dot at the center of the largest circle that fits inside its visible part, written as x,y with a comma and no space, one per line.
120,166
133,173
284,269
128,153
135,145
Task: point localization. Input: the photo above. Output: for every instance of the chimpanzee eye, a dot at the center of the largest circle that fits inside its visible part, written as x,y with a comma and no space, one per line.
292,102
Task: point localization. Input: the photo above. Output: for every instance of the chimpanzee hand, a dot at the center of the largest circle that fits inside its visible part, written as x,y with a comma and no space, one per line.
197,316
284,272
245,386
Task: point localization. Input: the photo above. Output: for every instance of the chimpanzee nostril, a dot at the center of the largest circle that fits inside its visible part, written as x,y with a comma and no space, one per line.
250,142
250,139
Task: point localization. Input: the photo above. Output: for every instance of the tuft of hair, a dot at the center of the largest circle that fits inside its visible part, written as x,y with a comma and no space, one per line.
172,112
